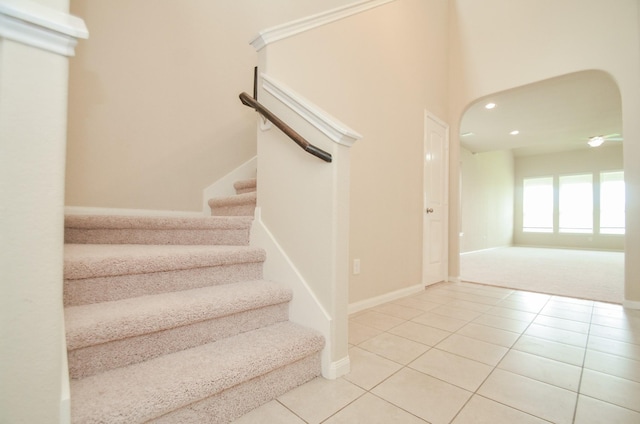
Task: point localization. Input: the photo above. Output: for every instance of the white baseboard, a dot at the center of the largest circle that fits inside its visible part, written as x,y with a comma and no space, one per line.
65,411
388,297
224,186
87,210
453,279
631,304
337,369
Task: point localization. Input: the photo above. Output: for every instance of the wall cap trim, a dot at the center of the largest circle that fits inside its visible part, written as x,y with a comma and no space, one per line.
36,25
328,125
279,32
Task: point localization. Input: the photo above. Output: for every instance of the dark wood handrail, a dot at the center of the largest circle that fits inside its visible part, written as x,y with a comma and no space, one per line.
247,100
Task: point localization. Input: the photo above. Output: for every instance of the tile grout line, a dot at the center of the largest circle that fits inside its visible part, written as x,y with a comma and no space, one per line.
584,358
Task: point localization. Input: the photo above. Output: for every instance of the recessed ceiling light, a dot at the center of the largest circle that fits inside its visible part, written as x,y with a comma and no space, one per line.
596,141
490,105
514,132
467,134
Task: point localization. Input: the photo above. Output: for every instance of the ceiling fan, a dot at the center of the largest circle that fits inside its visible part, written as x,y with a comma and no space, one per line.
597,140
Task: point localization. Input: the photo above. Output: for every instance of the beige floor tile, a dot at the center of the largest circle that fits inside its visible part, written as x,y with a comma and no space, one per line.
502,323
557,335
542,369
523,305
621,335
480,410
416,303
369,369
554,311
628,321
512,314
616,312
440,321
563,324
395,348
377,320
534,397
529,296
471,306
614,347
593,411
269,413
454,369
477,298
576,305
370,409
487,353
616,390
433,296
318,399
458,313
613,365
399,311
427,397
424,334
489,334
549,349
358,333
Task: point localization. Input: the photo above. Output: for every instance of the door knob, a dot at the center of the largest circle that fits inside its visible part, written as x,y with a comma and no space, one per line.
429,210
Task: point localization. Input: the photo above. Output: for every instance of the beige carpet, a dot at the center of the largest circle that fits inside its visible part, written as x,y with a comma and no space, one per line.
584,274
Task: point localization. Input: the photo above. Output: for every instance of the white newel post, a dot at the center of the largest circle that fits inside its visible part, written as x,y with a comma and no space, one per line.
303,216
35,41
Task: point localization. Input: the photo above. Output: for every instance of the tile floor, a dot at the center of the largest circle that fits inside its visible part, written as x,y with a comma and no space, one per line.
469,354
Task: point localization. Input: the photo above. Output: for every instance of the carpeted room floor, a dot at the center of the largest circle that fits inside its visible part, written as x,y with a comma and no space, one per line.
585,274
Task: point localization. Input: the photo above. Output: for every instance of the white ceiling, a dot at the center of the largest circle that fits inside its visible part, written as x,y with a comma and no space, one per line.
553,115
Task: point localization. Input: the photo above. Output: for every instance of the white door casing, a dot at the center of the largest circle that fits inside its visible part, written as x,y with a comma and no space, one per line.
436,200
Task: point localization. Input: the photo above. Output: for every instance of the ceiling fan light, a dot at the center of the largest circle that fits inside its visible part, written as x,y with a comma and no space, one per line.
595,141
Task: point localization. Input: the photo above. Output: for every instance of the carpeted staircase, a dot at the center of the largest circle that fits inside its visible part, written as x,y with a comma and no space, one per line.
168,320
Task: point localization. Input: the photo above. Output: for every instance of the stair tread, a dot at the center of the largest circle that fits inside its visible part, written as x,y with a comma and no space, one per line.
103,260
147,390
236,199
156,222
97,323
250,183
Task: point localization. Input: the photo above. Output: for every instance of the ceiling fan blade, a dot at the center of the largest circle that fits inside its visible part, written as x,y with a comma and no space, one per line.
613,136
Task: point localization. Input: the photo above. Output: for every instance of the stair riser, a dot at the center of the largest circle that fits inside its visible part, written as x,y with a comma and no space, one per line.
235,237
105,289
235,210
119,353
232,403
245,190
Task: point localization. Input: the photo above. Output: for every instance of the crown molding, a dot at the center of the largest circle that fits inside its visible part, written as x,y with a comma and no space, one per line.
36,25
289,29
328,125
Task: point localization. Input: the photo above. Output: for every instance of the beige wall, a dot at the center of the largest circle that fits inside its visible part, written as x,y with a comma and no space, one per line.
154,115
529,41
487,189
606,158
377,73
33,95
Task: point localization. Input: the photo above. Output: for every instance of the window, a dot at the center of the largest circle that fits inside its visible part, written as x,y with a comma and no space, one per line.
576,203
538,205
612,200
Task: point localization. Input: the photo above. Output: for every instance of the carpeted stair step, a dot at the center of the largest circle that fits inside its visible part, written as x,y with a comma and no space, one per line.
245,186
238,205
114,334
97,229
101,272
212,383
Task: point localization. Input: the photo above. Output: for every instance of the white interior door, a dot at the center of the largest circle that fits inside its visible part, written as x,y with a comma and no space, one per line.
435,214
